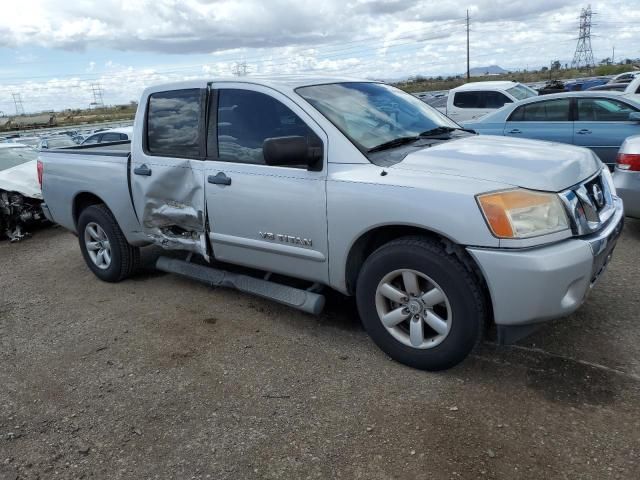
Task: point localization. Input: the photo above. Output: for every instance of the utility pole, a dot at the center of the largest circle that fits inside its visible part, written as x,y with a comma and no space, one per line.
468,70
17,100
613,56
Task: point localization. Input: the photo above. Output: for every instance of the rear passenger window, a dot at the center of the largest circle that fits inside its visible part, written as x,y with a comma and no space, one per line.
480,99
467,99
247,118
548,111
173,123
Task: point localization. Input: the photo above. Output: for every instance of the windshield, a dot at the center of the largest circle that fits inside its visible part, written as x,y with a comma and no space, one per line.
14,156
520,92
371,114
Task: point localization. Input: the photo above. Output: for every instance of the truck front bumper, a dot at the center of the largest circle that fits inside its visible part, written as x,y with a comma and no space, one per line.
528,286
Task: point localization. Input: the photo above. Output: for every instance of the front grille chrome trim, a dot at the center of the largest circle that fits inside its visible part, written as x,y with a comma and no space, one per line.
583,213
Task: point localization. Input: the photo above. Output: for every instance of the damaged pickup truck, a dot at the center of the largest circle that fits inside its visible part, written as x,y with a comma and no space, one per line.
20,195
319,183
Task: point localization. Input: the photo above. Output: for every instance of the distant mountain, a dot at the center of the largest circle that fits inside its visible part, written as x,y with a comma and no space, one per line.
490,70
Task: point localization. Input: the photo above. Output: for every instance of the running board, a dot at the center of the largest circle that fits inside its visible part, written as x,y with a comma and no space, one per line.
304,300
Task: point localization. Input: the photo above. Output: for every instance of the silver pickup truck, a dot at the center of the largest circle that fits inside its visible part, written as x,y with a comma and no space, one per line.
352,185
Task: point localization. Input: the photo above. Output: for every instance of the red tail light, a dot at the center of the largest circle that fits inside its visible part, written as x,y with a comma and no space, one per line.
40,172
629,161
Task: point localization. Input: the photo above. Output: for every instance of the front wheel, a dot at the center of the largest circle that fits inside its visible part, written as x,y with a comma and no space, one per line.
420,304
104,247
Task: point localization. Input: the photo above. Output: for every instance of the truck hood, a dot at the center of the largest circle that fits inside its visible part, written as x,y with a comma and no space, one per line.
22,179
523,163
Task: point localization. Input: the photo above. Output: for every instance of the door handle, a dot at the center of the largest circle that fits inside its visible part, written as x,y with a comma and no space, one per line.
515,130
142,170
584,131
219,179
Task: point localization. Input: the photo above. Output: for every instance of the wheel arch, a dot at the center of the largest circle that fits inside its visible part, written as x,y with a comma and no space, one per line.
82,201
374,238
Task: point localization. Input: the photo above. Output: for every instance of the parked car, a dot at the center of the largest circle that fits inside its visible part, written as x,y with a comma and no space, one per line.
597,120
107,136
57,141
581,84
626,176
476,99
625,77
436,231
32,142
617,87
633,87
20,195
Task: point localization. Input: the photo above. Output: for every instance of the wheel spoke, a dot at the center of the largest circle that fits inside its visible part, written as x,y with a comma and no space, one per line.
416,332
410,280
394,317
106,254
100,258
93,232
433,297
436,322
392,293
93,246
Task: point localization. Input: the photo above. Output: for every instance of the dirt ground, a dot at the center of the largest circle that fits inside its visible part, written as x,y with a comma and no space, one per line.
160,377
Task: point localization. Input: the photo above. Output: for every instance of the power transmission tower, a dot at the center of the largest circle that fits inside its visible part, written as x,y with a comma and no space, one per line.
240,69
17,100
584,54
468,70
98,101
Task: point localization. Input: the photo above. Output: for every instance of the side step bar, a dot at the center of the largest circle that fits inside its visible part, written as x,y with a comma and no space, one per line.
304,300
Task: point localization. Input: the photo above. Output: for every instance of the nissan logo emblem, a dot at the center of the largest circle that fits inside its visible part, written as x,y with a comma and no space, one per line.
598,196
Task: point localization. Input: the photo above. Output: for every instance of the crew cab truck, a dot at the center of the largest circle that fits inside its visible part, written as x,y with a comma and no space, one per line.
476,99
350,185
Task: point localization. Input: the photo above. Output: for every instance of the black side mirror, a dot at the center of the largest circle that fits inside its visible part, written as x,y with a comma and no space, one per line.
290,151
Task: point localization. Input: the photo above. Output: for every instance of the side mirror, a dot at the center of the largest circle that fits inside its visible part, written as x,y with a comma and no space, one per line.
290,151
634,116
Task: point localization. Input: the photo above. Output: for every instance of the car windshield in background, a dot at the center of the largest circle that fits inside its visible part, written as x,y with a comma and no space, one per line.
520,92
372,114
12,157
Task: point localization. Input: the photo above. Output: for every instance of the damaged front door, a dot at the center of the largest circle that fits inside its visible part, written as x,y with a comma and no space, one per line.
167,174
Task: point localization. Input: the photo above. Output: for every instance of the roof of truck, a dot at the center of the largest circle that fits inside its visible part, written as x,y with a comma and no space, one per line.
497,85
289,81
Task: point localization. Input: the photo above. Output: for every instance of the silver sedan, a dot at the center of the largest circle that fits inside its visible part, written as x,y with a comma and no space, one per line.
627,175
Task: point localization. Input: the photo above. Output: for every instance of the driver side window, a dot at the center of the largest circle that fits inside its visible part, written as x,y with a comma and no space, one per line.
245,119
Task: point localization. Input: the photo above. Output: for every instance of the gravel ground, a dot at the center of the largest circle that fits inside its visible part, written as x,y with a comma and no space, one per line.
160,377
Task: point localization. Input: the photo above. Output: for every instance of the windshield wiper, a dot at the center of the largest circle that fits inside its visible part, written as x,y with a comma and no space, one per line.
434,132
396,142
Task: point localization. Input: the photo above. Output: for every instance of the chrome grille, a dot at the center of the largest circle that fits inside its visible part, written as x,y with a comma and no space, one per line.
589,205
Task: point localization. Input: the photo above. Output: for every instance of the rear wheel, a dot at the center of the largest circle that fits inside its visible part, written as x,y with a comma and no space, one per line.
419,304
104,247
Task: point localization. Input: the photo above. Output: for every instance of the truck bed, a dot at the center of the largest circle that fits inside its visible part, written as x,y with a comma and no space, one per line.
97,173
118,149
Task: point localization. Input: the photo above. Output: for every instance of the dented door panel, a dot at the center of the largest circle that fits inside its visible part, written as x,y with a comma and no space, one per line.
170,202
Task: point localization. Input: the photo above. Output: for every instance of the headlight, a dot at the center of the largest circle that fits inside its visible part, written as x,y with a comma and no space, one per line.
522,213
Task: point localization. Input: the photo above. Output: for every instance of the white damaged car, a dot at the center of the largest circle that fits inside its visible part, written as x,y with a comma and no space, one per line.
20,193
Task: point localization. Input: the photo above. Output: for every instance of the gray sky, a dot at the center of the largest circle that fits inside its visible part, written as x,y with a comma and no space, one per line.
51,51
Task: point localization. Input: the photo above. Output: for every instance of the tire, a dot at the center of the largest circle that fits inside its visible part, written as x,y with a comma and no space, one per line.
458,314
124,258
